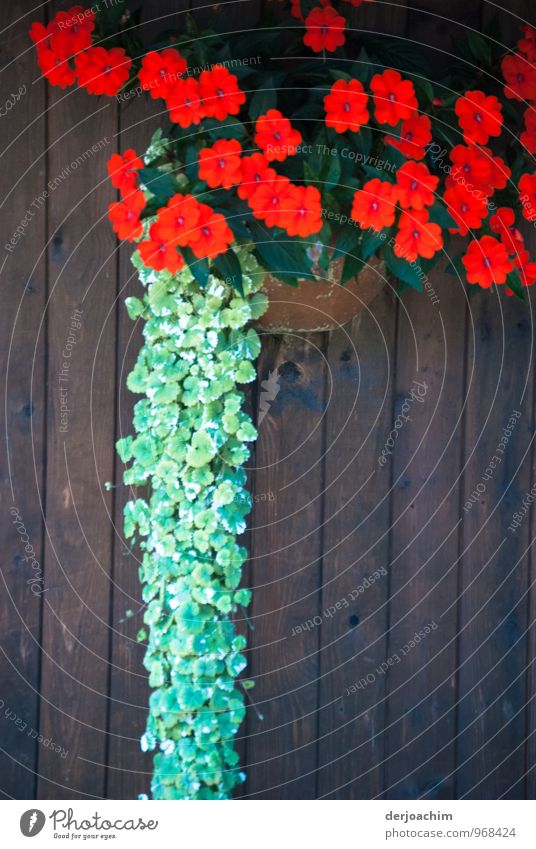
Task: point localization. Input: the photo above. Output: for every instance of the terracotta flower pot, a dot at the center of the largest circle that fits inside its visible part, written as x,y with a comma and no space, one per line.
318,305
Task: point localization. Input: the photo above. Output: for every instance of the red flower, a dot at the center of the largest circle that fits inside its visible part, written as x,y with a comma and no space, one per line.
75,25
527,45
267,199
374,205
472,165
123,170
500,172
68,32
212,236
503,223
178,220
415,186
527,190
160,72
219,165
528,138
184,103
415,135
394,98
103,71
301,211
346,106
527,269
325,29
520,76
486,262
158,253
275,135
479,116
255,170
417,236
125,216
220,93
55,68
468,211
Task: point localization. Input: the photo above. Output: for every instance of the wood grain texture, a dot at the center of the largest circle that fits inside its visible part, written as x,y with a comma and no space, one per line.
82,269
493,605
286,552
455,716
421,717
23,277
355,576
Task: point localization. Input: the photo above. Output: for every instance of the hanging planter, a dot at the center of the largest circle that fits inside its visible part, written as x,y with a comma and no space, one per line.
320,304
280,196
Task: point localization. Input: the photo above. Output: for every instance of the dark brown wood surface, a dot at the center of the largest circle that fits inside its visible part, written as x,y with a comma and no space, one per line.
341,709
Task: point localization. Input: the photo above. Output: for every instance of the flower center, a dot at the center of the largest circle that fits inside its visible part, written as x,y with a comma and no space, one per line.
409,136
478,118
416,234
520,78
464,207
180,220
487,262
205,231
374,205
346,107
323,29
220,92
107,69
392,97
221,163
277,135
414,185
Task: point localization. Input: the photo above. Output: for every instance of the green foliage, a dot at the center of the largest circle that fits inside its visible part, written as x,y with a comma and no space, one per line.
190,443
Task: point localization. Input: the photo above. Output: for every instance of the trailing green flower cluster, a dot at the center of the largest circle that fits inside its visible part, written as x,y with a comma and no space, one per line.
191,443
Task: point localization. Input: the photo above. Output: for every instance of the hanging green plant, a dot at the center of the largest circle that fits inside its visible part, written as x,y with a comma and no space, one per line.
192,439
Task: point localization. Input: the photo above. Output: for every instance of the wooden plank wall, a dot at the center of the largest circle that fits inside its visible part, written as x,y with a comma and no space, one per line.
453,718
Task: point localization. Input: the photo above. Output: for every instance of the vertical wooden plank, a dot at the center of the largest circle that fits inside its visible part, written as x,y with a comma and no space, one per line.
81,354
420,742
355,582
286,552
23,281
353,616
493,604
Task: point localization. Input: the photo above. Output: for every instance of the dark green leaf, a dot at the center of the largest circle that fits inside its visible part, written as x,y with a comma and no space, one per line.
352,266
228,267
371,242
282,257
402,270
160,183
229,130
198,267
439,214
264,98
514,283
